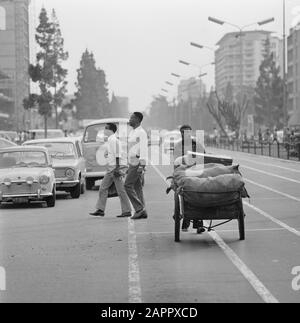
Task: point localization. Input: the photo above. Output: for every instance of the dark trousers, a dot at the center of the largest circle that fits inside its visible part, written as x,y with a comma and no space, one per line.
134,188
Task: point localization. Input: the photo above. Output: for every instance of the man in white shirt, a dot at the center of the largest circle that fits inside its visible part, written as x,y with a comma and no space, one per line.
137,158
116,169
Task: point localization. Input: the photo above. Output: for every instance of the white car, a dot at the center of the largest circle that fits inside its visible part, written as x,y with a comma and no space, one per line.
68,163
26,175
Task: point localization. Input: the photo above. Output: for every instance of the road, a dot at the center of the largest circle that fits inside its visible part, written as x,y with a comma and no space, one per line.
64,255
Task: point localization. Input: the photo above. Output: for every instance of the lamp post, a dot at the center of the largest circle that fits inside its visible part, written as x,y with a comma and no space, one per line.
240,35
285,110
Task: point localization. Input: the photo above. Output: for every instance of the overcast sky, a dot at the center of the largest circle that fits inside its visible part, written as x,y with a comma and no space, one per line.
138,42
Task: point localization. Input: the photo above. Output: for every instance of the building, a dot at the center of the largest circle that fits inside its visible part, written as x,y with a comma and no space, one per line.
14,57
294,75
191,89
238,59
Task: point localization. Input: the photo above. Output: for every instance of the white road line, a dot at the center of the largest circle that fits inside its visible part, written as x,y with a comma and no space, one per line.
253,280
270,217
271,174
273,190
267,158
258,286
272,165
135,292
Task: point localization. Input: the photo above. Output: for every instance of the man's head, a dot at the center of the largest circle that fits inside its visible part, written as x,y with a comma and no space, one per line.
185,128
110,129
136,119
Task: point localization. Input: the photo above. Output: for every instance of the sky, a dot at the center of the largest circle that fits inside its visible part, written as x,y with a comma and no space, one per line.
138,42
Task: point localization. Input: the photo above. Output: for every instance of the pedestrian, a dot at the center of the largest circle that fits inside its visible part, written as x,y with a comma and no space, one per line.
116,170
260,136
275,135
181,149
137,159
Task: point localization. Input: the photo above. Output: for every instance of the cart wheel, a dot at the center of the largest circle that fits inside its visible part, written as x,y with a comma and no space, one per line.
177,219
241,221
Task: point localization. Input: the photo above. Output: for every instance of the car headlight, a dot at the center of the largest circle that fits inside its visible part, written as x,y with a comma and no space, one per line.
29,180
7,182
44,179
70,173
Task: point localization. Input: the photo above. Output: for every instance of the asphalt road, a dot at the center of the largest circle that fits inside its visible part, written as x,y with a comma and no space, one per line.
64,255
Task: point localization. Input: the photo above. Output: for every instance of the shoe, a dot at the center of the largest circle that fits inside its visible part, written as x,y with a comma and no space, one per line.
98,213
201,230
185,225
140,215
125,215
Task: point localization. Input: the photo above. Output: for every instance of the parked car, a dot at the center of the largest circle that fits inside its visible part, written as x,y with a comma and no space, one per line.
51,133
68,163
26,175
4,143
94,147
9,135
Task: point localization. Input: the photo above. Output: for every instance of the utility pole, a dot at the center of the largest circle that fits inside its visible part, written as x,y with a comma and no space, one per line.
285,111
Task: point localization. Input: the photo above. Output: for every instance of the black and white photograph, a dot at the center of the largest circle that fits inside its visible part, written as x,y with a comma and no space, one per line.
149,154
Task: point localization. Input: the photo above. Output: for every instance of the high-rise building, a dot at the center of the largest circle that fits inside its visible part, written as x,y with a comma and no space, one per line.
238,59
294,75
14,56
191,89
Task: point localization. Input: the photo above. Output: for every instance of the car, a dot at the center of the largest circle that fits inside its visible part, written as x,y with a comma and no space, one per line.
153,137
26,175
4,143
51,133
68,163
9,135
94,147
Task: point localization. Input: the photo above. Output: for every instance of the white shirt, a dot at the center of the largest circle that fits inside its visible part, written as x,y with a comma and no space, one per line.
114,150
137,146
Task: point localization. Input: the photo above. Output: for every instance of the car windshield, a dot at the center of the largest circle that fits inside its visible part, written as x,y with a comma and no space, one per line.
15,159
95,133
59,150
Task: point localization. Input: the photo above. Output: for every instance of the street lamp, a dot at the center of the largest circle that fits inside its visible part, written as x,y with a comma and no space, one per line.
241,29
175,75
201,46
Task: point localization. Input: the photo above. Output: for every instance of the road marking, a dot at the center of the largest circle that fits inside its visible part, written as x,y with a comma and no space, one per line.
135,292
273,190
258,286
270,217
272,174
294,162
272,165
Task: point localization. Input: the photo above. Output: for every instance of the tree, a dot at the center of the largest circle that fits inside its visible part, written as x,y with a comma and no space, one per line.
226,113
47,71
269,92
59,73
91,98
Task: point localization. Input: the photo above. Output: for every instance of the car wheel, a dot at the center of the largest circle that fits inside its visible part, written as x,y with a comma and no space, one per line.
89,183
82,187
51,200
76,191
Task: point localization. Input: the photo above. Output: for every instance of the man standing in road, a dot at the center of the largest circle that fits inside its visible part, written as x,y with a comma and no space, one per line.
137,158
116,169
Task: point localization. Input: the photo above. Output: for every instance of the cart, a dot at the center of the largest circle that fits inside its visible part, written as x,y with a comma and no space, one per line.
231,209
